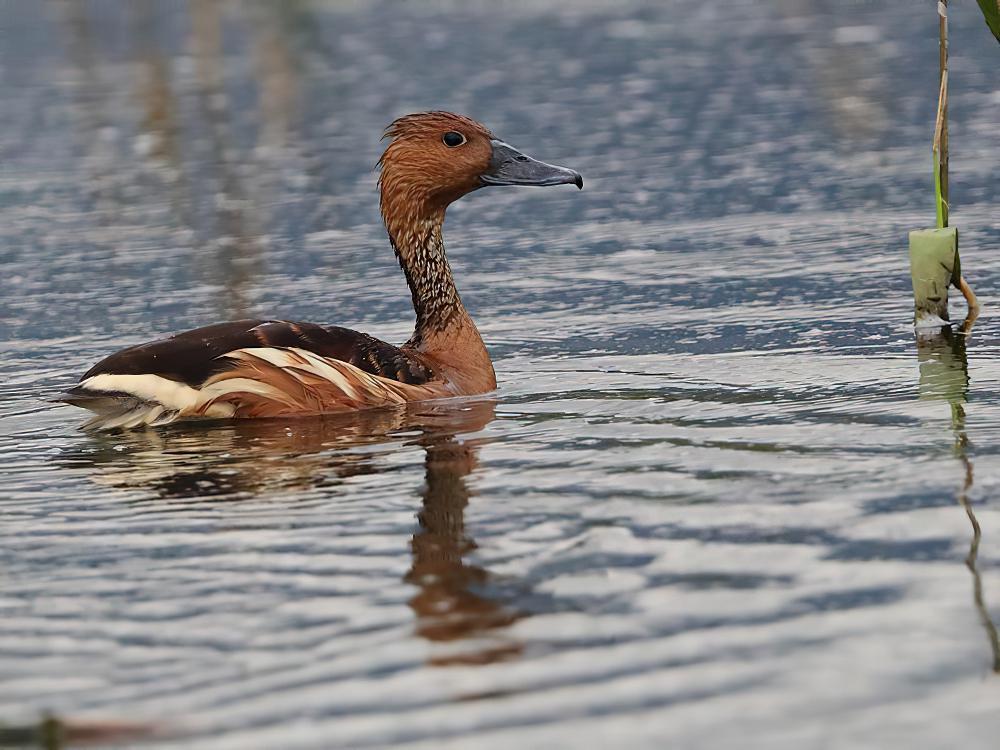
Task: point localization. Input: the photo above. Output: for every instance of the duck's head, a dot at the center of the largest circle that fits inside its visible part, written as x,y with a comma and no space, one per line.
434,158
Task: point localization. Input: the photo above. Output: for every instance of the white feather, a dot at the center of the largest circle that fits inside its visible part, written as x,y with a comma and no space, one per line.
237,385
330,370
171,395
276,357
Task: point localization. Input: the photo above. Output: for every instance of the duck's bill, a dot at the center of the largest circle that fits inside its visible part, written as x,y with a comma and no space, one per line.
508,166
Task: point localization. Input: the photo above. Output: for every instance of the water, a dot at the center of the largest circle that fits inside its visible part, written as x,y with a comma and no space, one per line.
721,499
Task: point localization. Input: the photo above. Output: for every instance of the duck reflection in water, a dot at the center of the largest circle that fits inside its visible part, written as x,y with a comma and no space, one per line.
449,603
213,462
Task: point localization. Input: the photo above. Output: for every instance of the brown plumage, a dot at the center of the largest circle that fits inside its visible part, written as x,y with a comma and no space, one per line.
265,368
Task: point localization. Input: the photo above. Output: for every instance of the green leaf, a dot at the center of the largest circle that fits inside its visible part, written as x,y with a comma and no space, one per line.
991,11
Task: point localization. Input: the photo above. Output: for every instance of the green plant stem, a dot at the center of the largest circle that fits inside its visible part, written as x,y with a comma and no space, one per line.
940,148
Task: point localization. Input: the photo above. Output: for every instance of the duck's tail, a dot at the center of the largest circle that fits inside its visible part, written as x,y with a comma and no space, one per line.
117,409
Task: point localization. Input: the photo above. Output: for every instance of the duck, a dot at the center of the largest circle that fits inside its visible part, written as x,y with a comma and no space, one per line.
264,368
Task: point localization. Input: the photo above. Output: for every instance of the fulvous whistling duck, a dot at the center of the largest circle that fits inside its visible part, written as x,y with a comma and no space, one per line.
268,368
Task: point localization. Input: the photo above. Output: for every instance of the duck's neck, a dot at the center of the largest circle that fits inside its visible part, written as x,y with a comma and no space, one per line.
419,247
444,330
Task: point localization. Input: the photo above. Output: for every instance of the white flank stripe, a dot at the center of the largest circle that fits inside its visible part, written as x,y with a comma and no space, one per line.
171,396
169,393
247,385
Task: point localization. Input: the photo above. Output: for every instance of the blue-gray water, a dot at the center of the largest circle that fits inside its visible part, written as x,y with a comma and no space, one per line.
721,498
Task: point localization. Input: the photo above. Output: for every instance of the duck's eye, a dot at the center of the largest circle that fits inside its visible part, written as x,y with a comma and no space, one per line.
452,139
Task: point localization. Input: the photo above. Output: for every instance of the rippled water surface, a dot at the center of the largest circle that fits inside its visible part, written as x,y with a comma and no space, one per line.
722,497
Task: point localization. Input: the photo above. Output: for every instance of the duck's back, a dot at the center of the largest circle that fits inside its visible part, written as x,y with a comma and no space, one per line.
193,356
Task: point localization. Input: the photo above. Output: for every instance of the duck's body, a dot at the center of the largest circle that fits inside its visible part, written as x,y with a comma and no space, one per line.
255,368
269,368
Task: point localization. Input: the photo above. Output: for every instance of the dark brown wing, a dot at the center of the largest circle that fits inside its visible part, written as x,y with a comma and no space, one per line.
193,356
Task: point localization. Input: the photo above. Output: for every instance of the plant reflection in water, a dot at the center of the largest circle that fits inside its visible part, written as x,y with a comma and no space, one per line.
944,376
